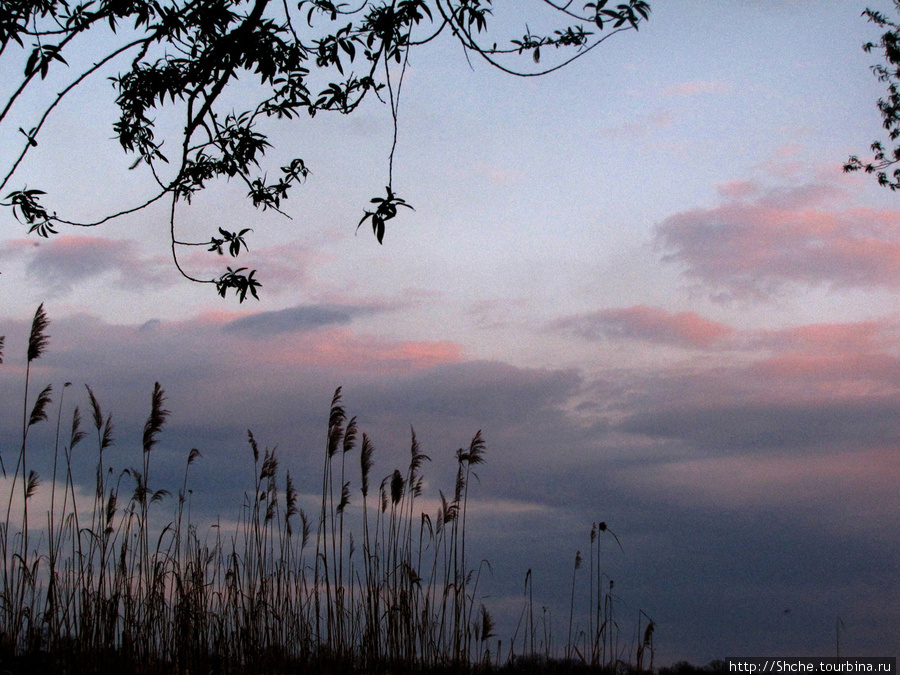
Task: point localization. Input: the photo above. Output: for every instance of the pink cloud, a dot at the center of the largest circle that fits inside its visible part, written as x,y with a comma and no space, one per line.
340,348
755,247
831,360
861,335
329,345
682,329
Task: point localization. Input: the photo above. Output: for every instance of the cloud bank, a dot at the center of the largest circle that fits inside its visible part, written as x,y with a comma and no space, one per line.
742,459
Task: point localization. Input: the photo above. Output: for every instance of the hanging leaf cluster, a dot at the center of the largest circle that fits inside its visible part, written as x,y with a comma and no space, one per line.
887,72
307,58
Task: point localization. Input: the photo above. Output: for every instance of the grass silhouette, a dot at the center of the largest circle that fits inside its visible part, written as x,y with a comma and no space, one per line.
103,588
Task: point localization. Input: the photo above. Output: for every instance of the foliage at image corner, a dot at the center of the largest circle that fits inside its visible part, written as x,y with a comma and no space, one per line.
314,57
887,72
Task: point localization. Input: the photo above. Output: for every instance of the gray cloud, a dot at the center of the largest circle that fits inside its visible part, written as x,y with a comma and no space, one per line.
61,263
793,427
293,319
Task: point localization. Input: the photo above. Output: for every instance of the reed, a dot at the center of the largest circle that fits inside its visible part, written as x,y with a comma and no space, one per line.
105,589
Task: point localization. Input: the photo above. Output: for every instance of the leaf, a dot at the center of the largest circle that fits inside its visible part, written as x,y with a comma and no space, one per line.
239,282
387,209
29,136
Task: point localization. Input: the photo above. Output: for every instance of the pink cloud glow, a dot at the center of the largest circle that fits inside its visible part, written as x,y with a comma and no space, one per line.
759,241
683,329
326,346
832,360
341,348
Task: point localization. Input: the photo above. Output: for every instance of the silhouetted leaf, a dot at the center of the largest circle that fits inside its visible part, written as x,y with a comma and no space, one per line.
386,210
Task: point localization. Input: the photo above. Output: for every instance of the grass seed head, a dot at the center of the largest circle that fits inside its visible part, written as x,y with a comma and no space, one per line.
38,340
158,415
39,411
397,485
365,463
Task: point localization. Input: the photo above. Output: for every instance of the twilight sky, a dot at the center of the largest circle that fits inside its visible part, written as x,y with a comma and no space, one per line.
644,278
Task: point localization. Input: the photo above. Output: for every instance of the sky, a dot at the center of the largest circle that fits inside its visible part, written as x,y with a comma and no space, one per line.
645,278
